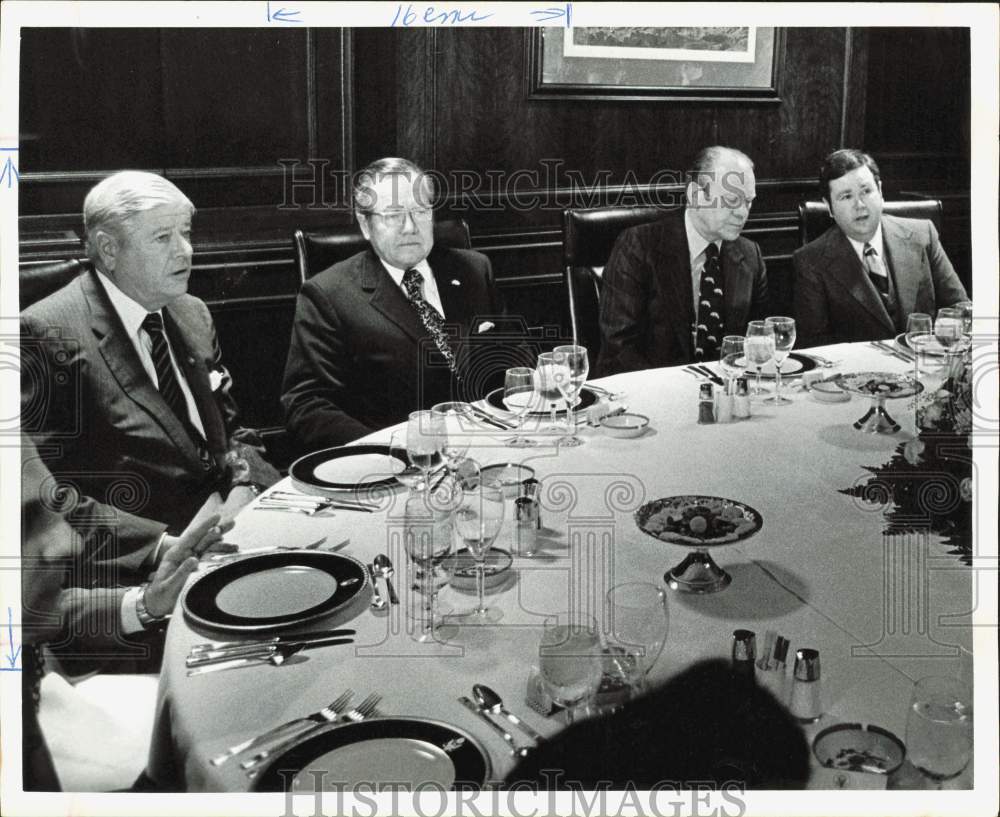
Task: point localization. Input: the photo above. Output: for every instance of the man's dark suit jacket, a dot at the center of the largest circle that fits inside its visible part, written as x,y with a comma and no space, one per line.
835,302
647,299
102,426
360,358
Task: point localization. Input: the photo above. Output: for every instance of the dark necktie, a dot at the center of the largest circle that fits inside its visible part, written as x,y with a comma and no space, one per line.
710,326
876,273
165,375
429,316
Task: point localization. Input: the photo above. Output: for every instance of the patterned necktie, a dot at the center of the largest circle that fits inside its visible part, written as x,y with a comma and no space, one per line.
165,375
710,326
433,322
876,273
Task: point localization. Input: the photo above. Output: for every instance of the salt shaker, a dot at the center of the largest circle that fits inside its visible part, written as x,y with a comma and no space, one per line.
741,402
806,700
723,406
706,404
744,656
528,521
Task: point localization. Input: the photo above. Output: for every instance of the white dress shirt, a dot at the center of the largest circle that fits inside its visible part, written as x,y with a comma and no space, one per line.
876,242
430,292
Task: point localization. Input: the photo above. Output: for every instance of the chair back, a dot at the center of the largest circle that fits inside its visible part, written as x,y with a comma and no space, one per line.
40,280
315,250
815,219
588,236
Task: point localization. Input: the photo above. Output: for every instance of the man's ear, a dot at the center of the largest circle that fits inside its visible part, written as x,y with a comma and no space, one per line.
108,248
691,191
365,227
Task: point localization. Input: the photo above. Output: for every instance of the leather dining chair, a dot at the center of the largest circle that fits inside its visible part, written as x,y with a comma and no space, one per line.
315,250
588,236
814,217
38,281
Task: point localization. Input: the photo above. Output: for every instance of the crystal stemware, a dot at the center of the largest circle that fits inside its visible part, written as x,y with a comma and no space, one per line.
759,350
939,728
639,621
784,340
547,388
424,432
570,659
919,332
427,540
732,359
572,367
519,397
478,519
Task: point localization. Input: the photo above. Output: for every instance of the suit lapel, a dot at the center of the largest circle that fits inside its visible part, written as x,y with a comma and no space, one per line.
124,364
449,280
902,254
848,273
387,298
736,278
674,267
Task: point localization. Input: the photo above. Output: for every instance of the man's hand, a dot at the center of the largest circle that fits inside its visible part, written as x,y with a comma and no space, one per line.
212,508
179,560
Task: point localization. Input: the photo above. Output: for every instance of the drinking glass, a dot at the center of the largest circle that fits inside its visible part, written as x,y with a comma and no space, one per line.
939,727
784,340
456,419
424,433
570,659
639,624
478,520
427,539
919,332
732,359
547,388
965,309
759,350
572,367
948,328
411,476
519,397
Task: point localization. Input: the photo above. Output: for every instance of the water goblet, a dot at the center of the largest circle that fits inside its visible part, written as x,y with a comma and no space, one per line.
424,432
547,388
410,476
478,519
784,340
939,728
572,367
457,425
732,359
759,350
519,397
919,333
427,540
639,624
948,327
570,659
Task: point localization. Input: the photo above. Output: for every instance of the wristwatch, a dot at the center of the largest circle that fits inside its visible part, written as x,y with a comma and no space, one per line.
255,487
146,618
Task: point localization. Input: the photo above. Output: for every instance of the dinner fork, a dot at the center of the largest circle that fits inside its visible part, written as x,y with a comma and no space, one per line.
319,716
358,713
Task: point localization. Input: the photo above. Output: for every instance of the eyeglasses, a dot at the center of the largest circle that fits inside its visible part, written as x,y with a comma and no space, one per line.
396,218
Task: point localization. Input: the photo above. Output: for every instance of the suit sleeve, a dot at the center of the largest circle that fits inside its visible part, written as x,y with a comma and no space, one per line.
760,305
948,288
624,307
316,375
810,308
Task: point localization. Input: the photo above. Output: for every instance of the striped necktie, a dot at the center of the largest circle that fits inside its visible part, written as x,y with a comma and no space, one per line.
433,322
877,273
165,375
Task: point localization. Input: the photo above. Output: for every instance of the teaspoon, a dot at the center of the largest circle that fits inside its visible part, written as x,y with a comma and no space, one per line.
490,701
384,568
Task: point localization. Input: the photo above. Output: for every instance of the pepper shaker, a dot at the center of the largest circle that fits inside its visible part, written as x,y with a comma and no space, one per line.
526,533
741,402
706,404
806,700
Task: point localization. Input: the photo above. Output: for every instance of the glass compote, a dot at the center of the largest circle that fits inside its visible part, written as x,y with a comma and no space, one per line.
519,397
570,659
784,341
732,359
478,519
939,728
639,624
759,350
547,388
424,432
572,367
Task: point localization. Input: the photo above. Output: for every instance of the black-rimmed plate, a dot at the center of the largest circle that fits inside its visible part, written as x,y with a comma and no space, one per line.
348,468
407,752
931,347
675,519
794,365
273,590
586,399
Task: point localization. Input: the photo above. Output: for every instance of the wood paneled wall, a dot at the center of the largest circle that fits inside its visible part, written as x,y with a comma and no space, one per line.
228,115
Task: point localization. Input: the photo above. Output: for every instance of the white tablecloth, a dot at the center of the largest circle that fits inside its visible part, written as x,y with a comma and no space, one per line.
882,611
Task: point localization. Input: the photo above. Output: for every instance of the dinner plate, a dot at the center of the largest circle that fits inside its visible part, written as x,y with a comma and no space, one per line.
855,747
348,468
795,364
879,384
407,752
586,399
273,590
932,347
673,519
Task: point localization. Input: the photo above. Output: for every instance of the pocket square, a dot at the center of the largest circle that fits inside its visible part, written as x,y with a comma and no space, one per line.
485,326
215,378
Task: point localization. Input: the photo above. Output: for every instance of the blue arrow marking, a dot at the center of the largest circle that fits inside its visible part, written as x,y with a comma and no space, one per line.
9,173
554,13
13,655
282,15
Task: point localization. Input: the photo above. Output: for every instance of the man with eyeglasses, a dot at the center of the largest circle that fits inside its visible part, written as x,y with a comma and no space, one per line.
385,332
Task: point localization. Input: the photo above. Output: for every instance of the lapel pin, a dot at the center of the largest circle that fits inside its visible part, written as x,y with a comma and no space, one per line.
455,282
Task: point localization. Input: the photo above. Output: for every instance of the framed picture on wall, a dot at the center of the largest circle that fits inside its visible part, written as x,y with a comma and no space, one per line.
697,64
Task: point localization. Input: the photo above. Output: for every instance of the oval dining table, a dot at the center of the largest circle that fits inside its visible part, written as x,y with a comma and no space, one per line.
882,610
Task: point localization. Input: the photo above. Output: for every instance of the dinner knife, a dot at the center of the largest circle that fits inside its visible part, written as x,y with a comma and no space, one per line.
489,420
315,635
258,650
264,658
710,374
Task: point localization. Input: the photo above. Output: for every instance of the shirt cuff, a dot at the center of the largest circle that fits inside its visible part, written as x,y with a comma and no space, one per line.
130,618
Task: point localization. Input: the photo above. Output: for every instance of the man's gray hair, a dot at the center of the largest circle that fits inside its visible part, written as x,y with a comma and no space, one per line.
112,202
709,159
391,166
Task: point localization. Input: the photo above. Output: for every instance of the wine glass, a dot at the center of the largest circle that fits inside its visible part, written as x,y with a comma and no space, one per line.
518,397
572,367
948,327
570,659
759,349
427,539
939,727
410,476
965,309
639,623
784,340
478,520
547,387
456,420
732,359
919,332
424,433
